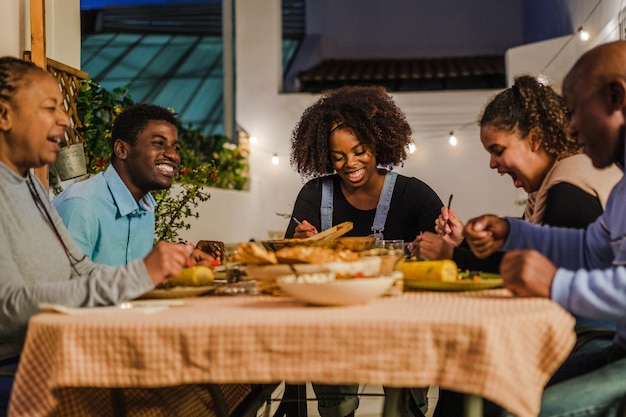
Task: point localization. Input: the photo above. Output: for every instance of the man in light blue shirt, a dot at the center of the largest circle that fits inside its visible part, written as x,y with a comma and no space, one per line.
111,215
105,220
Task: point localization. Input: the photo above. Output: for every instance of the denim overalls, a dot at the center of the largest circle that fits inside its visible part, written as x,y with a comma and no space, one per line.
381,210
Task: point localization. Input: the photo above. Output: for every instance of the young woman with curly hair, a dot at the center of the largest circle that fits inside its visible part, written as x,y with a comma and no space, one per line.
347,143
525,130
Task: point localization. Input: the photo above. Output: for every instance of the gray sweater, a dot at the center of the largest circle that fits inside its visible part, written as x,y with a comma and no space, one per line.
34,267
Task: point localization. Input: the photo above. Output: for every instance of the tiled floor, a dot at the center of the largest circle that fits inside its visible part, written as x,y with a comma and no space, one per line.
371,404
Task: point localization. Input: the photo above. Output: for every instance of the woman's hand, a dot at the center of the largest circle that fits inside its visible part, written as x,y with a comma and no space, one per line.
304,230
430,246
450,226
167,259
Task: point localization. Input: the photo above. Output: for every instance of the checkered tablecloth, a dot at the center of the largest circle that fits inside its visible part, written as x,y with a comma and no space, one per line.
486,343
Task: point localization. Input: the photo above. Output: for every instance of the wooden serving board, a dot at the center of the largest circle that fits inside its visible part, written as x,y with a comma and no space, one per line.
319,239
333,233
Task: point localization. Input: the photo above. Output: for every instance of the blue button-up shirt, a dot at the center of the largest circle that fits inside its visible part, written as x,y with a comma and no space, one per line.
106,222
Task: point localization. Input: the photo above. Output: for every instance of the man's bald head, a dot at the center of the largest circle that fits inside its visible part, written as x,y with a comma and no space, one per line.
598,66
594,91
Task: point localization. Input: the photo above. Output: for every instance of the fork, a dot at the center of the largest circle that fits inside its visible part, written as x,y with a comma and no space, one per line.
449,204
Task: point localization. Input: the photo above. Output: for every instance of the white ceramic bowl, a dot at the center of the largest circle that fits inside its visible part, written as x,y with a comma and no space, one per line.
335,292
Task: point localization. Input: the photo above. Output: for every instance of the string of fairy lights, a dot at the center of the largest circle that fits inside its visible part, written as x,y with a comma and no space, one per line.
583,36
581,33
254,142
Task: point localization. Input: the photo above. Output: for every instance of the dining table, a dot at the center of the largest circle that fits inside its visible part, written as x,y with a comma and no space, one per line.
488,344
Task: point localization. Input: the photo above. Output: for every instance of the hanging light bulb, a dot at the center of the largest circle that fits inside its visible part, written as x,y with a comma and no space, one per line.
583,34
275,159
452,139
412,147
252,140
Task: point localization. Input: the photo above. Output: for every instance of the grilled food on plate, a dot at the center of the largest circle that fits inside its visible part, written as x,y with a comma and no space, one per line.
251,253
315,255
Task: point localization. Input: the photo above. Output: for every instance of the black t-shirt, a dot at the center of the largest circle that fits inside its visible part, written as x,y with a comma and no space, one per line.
413,209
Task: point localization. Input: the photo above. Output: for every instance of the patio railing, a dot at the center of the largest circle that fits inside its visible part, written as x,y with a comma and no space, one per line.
69,80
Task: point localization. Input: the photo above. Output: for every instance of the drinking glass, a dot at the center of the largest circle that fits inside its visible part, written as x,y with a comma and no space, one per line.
390,244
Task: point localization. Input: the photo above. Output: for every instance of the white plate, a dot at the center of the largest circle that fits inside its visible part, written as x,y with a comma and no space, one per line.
177,292
137,306
367,266
461,285
337,292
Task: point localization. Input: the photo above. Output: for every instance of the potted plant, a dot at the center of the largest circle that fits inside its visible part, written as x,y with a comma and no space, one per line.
70,162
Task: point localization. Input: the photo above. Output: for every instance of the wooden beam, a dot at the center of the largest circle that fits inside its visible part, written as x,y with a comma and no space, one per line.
229,71
38,55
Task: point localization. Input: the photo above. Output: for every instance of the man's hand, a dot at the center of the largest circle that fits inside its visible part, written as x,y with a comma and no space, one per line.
527,273
486,234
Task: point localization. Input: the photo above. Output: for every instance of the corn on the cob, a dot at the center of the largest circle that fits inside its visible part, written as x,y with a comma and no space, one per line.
191,277
444,270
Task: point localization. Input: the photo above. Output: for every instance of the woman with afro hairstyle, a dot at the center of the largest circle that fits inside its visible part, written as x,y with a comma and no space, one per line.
354,136
346,144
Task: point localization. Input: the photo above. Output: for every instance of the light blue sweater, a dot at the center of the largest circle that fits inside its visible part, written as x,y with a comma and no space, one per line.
591,276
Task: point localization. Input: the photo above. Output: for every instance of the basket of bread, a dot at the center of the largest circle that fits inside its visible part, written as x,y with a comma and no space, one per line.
331,238
295,263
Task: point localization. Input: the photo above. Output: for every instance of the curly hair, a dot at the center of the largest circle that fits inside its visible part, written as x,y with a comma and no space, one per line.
12,72
132,120
368,111
528,105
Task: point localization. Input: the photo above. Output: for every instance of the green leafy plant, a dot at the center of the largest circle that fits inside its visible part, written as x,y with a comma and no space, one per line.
206,160
176,207
198,149
97,108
